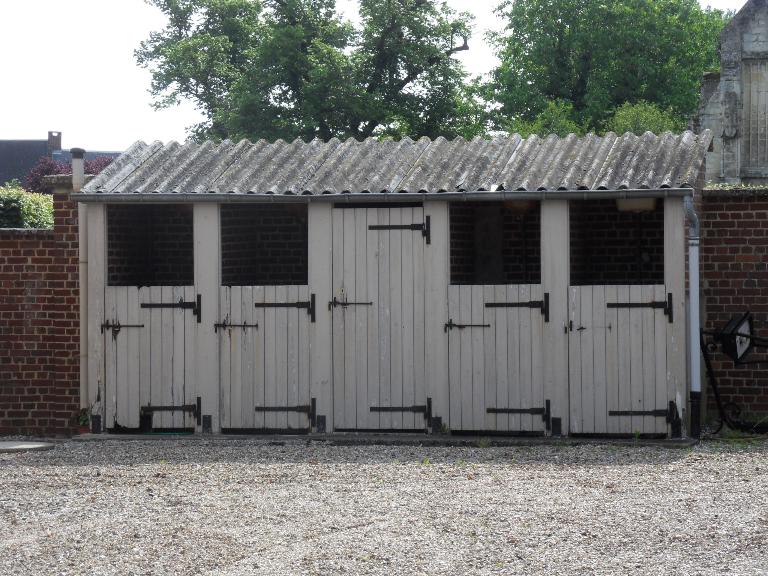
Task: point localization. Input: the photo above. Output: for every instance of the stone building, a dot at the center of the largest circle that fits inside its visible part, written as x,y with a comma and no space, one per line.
734,103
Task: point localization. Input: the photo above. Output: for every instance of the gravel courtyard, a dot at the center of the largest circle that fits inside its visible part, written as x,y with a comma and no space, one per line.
191,506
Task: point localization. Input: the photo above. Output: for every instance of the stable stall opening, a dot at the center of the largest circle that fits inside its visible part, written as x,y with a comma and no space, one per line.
264,245
150,245
610,246
495,243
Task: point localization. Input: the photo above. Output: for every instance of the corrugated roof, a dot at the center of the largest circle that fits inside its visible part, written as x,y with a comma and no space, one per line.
591,162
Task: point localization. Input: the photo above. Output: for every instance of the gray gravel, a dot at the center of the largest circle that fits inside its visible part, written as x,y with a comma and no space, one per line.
192,506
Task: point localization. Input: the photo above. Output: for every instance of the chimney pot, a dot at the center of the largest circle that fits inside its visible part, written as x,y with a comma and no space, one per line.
78,169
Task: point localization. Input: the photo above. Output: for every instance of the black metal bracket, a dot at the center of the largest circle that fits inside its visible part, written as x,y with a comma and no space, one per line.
344,304
665,305
424,409
425,228
542,305
450,325
309,409
309,306
196,306
669,413
116,327
226,325
544,412
194,409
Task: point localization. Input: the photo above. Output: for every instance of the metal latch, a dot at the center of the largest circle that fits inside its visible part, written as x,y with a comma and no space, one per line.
196,306
344,304
116,327
451,325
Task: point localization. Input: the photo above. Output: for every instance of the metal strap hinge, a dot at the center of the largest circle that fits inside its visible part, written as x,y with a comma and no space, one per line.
309,306
425,228
196,306
542,305
665,305
309,409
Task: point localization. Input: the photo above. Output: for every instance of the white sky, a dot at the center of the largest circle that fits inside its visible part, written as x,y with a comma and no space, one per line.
68,66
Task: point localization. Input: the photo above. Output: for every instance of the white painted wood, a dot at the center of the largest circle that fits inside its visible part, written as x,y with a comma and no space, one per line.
435,260
207,257
167,294
674,280
156,354
660,360
526,358
587,337
624,352
271,357
122,382
385,320
555,279
396,316
348,314
360,314
294,419
489,360
537,358
237,352
372,419
225,359
259,359
649,359
248,360
97,277
183,322
454,359
133,338
339,319
612,359
110,375
600,331
574,358
319,332
406,303
515,386
303,343
636,358
497,318
478,361
466,368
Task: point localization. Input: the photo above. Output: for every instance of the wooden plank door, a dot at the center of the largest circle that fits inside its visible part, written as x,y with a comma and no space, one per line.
378,308
264,359
618,359
496,359
148,358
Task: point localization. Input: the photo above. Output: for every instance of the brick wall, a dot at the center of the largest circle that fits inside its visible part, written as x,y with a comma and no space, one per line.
612,247
264,245
494,244
39,326
734,273
150,245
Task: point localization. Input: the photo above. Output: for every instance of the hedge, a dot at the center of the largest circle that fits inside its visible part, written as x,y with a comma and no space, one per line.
22,209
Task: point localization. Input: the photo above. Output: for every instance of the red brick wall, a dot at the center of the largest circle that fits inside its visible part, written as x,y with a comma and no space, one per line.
734,273
39,326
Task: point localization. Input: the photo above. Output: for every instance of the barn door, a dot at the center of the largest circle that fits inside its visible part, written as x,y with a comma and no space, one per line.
149,339
496,358
264,358
378,318
618,359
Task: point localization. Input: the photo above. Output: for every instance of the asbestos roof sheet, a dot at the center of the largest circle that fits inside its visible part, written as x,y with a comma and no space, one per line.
609,162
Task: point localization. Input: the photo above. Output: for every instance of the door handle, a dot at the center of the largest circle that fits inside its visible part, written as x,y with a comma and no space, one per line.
580,329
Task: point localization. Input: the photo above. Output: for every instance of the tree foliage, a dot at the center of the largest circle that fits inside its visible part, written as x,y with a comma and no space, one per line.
598,55
22,209
556,118
295,68
644,117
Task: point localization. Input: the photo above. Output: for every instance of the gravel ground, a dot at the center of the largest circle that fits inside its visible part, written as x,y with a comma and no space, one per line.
192,506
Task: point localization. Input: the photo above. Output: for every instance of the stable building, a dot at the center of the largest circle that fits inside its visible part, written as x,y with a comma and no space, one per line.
506,286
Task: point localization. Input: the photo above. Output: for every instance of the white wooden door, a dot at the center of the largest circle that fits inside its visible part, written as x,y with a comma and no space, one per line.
618,359
496,357
378,318
264,358
149,350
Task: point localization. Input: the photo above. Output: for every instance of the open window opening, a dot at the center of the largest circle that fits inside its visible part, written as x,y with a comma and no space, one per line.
613,246
495,242
264,245
150,245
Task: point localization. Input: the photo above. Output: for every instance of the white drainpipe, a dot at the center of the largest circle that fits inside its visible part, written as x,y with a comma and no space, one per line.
694,232
78,180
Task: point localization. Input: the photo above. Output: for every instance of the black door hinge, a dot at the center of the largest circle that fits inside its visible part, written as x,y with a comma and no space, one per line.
147,411
665,305
542,305
545,412
309,306
425,409
425,228
309,409
196,306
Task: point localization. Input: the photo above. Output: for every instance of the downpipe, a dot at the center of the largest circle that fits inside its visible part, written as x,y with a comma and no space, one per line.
694,326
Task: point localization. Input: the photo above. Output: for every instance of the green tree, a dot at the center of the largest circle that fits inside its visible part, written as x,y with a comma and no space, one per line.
644,117
556,118
598,55
295,68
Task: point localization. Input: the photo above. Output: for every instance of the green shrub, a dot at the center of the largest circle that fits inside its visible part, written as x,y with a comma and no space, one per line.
557,118
644,117
22,209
